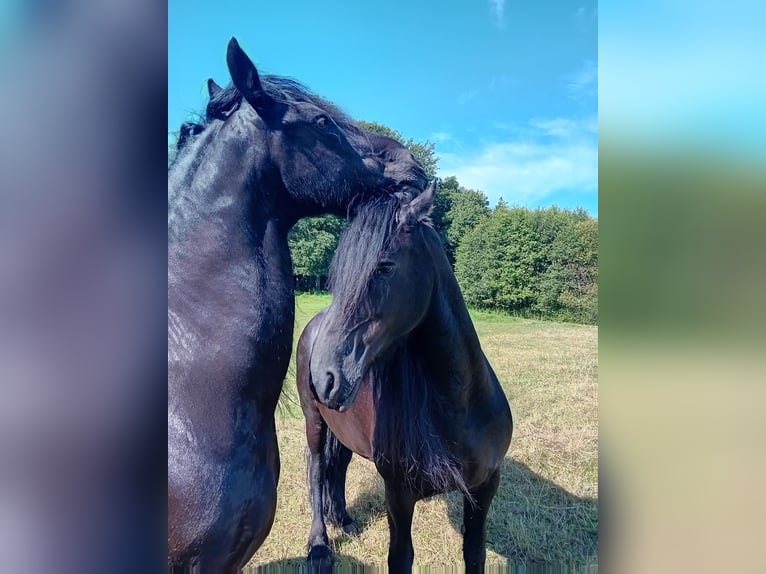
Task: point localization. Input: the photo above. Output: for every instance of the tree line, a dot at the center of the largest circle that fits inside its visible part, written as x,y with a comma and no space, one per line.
535,263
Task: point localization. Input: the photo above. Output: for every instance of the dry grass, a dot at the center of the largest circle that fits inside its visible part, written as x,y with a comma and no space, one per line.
547,506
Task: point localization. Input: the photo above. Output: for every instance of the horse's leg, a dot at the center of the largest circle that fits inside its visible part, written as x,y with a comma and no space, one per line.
320,555
474,524
337,459
400,505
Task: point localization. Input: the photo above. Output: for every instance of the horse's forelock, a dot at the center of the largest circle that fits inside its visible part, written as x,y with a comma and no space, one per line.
287,91
223,103
369,233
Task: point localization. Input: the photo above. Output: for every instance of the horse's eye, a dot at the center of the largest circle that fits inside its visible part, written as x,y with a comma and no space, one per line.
385,268
322,121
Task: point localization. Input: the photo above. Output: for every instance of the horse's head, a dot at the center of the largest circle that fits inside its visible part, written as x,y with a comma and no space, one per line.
383,278
301,151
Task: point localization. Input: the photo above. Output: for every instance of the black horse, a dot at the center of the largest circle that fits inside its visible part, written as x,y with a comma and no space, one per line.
267,154
393,371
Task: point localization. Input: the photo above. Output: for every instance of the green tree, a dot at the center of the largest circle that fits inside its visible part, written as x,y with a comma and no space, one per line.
541,263
548,224
442,206
468,208
497,260
569,286
312,244
456,210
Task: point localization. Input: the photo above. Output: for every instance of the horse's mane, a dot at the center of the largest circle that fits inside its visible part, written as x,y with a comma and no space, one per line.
405,410
281,89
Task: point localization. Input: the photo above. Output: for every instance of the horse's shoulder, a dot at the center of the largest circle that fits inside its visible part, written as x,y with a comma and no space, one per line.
308,335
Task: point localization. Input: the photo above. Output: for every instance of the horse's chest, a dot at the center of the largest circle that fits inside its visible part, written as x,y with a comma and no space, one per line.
355,427
220,484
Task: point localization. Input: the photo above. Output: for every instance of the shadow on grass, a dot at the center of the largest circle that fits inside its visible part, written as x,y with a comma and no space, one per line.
369,506
297,565
532,522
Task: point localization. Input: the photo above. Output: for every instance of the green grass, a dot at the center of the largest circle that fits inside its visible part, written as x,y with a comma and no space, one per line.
309,304
306,306
546,508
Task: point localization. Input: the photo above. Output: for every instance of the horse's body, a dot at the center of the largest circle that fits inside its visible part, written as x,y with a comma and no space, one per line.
268,154
393,371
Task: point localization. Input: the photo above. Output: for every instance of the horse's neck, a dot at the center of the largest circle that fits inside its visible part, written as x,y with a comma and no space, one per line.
217,212
449,342
221,243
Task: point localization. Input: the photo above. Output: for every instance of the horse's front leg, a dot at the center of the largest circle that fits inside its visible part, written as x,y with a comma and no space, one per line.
320,555
337,458
474,524
400,505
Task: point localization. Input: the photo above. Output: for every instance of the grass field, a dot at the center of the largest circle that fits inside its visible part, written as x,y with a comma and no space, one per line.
547,506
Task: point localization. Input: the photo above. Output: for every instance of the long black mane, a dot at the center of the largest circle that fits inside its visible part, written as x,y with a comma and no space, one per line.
356,257
405,434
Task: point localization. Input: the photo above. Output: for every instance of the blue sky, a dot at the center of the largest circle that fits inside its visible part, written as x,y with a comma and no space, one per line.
507,91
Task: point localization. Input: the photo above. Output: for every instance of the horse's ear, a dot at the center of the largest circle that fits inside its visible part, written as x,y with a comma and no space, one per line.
246,79
213,89
421,207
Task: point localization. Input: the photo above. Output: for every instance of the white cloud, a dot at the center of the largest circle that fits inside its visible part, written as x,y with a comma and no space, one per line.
582,84
552,156
566,127
497,8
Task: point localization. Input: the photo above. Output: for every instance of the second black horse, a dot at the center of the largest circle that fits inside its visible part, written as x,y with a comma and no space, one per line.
393,370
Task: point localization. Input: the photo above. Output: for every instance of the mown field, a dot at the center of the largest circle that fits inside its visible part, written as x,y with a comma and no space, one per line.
546,508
